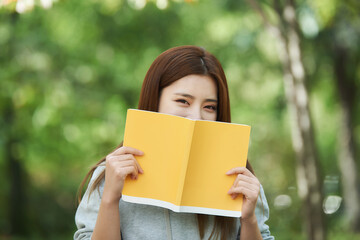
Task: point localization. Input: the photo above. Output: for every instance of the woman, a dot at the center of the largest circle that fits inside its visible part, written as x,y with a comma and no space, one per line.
185,81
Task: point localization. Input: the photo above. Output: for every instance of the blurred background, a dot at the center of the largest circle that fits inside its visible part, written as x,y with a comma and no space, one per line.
70,69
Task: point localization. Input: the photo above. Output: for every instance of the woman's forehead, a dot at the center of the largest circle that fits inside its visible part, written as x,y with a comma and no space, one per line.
194,84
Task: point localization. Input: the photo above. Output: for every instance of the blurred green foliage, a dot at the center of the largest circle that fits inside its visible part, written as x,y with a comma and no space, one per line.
69,73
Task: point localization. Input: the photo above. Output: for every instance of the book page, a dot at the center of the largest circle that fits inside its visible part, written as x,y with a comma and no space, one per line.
165,141
216,148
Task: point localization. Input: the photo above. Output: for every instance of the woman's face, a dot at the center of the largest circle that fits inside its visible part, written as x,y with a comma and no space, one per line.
193,96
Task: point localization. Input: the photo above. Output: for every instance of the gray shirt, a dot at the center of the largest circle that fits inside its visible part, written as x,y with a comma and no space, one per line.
150,222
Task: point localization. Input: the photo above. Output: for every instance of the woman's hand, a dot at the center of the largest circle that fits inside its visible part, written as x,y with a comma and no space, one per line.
248,185
119,164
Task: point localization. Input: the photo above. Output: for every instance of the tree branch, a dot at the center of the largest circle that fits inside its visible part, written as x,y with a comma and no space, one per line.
272,28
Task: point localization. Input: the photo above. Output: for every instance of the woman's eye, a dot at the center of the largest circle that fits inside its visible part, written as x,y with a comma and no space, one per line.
211,107
182,101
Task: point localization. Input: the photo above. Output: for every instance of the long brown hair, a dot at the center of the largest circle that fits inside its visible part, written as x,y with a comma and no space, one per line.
167,68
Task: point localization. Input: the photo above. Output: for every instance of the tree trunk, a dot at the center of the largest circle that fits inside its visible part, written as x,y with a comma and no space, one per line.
346,157
308,177
307,170
17,199
17,215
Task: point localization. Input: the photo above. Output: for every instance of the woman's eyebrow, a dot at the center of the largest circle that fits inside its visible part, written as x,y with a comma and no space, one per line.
192,97
211,100
185,95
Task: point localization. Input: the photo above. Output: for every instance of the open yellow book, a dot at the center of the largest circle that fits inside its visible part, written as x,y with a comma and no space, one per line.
185,162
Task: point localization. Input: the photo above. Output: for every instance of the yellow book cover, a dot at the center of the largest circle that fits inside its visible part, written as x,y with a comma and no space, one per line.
185,162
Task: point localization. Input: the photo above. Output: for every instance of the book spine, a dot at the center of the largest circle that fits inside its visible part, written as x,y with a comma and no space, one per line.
186,157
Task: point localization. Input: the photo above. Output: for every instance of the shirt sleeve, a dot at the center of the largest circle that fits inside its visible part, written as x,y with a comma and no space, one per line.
87,211
262,215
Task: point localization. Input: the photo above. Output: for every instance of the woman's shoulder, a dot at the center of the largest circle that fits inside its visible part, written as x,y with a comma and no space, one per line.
86,213
262,201
97,189
96,175
98,170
